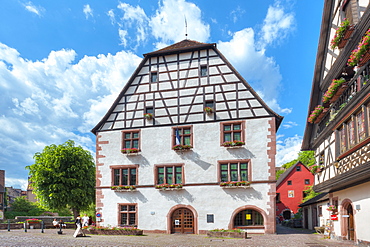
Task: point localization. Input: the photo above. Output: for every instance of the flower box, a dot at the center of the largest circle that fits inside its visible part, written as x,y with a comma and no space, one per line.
180,147
334,90
113,231
233,144
227,234
235,184
208,110
123,188
129,150
342,35
360,56
169,186
148,116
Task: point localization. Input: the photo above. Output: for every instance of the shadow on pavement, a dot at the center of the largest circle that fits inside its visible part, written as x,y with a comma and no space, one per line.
288,230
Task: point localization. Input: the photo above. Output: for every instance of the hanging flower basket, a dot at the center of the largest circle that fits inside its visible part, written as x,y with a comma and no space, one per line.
335,90
342,35
332,208
148,116
130,151
360,56
208,110
180,147
233,144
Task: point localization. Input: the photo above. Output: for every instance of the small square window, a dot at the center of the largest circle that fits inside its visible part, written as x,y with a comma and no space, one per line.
154,77
298,168
289,182
306,181
203,70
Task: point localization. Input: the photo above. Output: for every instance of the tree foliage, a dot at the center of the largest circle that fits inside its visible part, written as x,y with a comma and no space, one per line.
63,176
306,157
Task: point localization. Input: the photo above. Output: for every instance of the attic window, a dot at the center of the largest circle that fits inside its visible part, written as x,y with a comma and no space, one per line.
154,76
203,70
149,110
289,182
298,168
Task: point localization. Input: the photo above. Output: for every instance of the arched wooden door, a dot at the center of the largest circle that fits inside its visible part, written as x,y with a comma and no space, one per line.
351,225
182,221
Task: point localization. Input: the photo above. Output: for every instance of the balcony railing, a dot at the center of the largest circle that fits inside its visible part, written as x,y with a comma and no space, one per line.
357,83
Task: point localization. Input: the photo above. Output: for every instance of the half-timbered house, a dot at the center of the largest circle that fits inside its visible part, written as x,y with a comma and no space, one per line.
338,124
187,146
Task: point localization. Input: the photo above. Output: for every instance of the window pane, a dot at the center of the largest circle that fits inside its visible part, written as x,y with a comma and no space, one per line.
234,175
127,135
178,175
237,127
243,175
237,136
116,176
227,137
132,208
234,166
133,176
124,176
135,143
186,131
243,166
169,173
123,218
160,175
227,127
224,167
132,219
123,207
135,135
187,140
127,144
209,104
224,177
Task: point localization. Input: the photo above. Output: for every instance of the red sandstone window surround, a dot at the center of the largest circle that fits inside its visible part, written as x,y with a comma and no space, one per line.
232,131
131,139
124,175
169,174
234,170
127,214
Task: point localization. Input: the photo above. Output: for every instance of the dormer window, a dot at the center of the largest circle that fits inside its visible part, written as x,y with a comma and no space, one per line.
154,76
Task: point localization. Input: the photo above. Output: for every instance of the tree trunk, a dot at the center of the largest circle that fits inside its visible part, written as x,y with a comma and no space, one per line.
76,213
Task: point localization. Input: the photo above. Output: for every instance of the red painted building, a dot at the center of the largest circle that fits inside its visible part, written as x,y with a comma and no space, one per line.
290,189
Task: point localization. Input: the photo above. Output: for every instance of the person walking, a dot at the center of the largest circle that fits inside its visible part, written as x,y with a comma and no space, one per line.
78,232
85,220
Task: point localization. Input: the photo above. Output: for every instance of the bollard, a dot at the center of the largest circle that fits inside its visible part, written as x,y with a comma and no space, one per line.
42,226
8,225
25,227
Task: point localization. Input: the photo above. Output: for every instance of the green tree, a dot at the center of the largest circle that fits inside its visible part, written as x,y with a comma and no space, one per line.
310,193
63,176
306,157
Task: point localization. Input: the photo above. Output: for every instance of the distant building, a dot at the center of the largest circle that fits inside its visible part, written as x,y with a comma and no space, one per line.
290,189
338,127
178,148
12,193
314,211
29,193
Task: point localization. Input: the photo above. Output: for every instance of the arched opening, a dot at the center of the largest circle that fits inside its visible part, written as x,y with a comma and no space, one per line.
182,221
287,215
248,217
348,222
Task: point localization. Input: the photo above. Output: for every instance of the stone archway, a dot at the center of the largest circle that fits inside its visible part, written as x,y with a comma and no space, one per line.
182,219
268,222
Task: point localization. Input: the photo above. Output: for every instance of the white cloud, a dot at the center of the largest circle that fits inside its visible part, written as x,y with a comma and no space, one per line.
236,14
33,9
112,16
16,183
289,124
88,11
168,25
122,36
55,99
287,149
276,25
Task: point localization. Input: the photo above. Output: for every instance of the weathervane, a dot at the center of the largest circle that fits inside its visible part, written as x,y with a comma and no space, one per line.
186,28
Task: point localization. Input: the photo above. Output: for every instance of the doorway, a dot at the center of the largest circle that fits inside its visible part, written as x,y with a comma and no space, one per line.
182,221
287,214
350,225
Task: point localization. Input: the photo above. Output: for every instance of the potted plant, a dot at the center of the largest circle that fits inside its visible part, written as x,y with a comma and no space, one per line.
333,90
148,116
129,150
332,208
361,55
124,188
33,221
233,143
342,34
208,110
180,147
224,233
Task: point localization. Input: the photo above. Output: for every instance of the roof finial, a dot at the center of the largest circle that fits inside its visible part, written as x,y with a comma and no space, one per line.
186,28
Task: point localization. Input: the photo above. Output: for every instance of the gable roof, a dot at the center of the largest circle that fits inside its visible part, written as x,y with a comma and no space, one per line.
182,46
178,48
288,172
319,198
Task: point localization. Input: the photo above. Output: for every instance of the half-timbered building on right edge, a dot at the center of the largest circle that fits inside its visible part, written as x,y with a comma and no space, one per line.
338,117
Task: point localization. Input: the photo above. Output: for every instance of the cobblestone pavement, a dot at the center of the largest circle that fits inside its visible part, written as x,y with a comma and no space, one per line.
285,237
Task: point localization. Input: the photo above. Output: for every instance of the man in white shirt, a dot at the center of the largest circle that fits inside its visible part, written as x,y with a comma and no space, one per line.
85,220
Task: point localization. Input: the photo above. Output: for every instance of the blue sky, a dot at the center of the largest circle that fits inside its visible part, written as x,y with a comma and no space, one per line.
62,63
